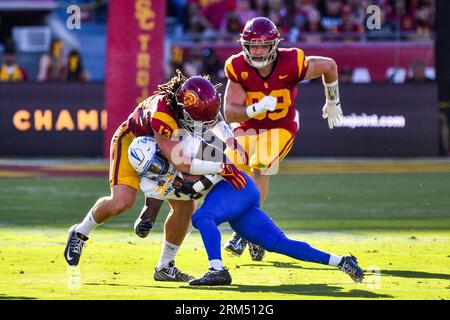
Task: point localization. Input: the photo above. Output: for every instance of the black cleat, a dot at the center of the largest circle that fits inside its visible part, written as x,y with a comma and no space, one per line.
256,252
171,274
350,266
74,246
236,244
213,278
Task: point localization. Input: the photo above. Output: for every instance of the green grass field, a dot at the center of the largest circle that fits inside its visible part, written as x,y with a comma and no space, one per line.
397,224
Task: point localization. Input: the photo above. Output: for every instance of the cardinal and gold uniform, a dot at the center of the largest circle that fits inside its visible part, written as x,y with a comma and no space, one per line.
151,115
268,137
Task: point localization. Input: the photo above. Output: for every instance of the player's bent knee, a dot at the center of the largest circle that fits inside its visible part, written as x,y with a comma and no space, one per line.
121,204
182,209
121,200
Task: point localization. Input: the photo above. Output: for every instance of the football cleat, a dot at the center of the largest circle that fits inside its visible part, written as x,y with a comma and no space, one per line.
74,247
350,266
213,277
171,274
236,244
256,252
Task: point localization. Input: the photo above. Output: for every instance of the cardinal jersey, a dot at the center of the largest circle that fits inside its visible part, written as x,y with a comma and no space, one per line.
151,115
289,69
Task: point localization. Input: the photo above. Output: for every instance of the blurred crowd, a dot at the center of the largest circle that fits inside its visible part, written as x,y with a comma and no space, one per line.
54,66
306,20
223,20
206,61
200,61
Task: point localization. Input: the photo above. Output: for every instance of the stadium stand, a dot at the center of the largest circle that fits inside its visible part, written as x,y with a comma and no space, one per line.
321,26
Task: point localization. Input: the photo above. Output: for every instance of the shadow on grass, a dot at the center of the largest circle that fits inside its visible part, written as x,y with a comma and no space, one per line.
277,264
394,273
285,265
319,290
5,297
118,285
415,274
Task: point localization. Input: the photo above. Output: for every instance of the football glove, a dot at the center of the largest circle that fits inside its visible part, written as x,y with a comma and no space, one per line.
234,176
332,108
183,186
142,227
333,112
268,103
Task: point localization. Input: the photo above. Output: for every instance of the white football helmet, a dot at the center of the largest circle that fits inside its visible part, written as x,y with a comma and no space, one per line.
146,159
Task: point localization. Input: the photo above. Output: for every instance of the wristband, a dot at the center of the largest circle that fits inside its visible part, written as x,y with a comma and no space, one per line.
252,112
206,181
201,167
332,91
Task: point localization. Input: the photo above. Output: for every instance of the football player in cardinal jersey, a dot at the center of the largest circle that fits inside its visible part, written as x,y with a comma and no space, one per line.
260,94
180,103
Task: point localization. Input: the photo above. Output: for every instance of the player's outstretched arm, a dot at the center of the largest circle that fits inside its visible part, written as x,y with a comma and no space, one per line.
144,223
327,68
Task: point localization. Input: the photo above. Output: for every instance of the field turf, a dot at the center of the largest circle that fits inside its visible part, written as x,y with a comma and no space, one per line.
397,222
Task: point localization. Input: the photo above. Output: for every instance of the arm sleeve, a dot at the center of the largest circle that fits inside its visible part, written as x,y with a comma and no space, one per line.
163,123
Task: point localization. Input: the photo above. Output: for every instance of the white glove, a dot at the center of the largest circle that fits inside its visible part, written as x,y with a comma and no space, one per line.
268,103
332,110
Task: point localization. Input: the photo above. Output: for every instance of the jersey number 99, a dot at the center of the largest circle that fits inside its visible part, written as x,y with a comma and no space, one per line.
282,107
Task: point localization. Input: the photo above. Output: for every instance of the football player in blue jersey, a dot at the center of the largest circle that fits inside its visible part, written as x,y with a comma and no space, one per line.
243,214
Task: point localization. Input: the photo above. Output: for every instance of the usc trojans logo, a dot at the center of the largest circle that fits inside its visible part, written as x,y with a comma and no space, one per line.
190,99
244,75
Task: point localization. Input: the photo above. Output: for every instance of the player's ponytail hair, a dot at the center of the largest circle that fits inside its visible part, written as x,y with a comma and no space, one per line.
169,89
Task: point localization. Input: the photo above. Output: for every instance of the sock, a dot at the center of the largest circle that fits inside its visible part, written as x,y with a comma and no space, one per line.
168,254
87,225
334,260
216,264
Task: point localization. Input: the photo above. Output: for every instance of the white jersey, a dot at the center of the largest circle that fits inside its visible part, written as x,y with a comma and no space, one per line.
161,186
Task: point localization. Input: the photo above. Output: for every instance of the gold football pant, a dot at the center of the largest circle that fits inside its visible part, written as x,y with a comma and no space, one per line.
120,169
264,149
